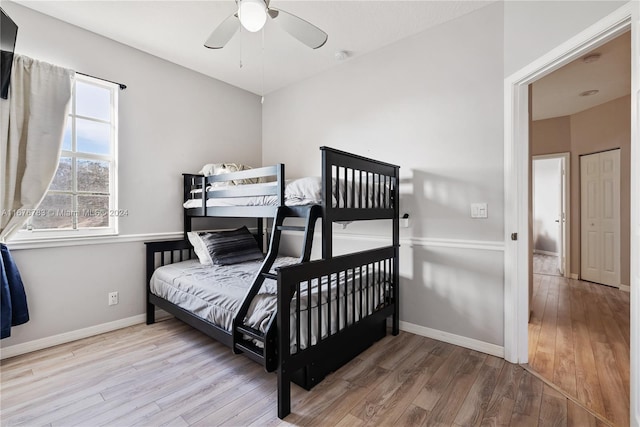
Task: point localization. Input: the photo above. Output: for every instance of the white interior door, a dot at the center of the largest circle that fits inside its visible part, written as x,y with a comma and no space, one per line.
600,217
550,205
561,219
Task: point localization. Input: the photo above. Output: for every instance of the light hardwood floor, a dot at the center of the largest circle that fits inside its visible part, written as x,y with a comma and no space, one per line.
170,374
579,340
545,264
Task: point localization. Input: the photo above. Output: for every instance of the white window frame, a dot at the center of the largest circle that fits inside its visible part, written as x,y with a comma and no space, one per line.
114,213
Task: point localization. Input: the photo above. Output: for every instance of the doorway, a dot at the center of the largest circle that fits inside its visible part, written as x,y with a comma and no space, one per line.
517,170
576,342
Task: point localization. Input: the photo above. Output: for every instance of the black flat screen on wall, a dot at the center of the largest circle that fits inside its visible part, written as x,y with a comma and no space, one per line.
8,34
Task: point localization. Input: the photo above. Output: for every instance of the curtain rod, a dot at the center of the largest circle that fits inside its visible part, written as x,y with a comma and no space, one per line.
122,86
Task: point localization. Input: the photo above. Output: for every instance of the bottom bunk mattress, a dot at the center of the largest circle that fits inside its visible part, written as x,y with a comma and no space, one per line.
215,293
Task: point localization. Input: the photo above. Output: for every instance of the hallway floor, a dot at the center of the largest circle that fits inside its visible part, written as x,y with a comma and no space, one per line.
579,340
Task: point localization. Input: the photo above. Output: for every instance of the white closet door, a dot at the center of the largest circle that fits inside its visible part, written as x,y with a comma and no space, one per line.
600,217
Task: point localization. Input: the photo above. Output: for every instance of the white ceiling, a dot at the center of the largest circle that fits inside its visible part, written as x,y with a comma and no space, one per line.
558,94
177,30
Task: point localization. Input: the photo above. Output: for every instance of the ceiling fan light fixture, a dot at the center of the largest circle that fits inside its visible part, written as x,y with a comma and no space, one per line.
341,55
593,57
590,92
252,14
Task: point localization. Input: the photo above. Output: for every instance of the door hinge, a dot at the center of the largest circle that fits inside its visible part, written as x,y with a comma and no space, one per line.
514,236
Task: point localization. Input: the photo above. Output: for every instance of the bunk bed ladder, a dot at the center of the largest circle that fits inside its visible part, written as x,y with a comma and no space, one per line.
264,354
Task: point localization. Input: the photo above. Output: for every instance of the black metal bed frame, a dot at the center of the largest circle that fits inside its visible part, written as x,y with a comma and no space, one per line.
361,308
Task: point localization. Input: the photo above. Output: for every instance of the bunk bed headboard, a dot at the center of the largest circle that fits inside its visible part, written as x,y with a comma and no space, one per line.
357,188
273,174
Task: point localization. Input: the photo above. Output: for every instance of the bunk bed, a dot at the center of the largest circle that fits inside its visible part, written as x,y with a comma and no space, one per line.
298,317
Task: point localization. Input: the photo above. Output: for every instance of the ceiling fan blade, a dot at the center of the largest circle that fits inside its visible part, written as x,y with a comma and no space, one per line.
307,33
223,33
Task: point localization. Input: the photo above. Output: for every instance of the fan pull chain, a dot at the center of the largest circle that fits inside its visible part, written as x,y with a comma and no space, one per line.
239,18
241,48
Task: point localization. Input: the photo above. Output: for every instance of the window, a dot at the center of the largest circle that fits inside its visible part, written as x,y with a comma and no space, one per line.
81,200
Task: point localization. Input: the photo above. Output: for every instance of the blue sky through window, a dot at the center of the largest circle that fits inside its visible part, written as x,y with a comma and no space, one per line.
66,142
93,101
93,137
83,178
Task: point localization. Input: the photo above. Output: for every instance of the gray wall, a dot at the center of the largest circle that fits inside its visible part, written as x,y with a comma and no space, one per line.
172,120
431,103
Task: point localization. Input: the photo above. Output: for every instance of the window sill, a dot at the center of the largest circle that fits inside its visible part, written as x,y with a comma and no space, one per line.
33,243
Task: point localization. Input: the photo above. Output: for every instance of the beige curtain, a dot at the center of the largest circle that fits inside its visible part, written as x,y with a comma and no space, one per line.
32,122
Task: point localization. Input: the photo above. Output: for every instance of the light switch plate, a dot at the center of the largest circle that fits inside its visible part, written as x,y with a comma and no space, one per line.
479,210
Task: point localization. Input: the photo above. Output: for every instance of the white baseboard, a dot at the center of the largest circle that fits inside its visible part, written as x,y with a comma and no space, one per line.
28,347
39,344
624,288
470,343
541,252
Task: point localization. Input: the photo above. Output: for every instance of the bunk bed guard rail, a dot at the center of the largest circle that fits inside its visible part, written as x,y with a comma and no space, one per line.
362,289
359,188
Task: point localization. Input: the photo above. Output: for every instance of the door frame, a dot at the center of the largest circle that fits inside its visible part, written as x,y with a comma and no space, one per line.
566,202
516,191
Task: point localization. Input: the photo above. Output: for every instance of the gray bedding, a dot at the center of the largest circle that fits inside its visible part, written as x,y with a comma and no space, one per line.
215,293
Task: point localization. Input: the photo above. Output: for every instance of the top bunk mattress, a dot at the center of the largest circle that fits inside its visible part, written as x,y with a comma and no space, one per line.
300,192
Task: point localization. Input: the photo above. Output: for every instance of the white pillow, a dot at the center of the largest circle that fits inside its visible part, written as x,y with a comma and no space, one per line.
221,168
199,248
308,189
211,169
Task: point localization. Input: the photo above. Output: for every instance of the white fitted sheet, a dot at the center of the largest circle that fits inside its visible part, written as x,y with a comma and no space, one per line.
300,192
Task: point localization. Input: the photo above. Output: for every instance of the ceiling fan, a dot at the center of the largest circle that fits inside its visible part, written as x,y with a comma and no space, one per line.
252,15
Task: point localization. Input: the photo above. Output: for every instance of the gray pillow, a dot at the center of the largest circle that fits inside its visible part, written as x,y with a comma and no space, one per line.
225,247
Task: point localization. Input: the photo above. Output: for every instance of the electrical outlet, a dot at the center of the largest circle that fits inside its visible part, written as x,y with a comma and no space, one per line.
113,298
